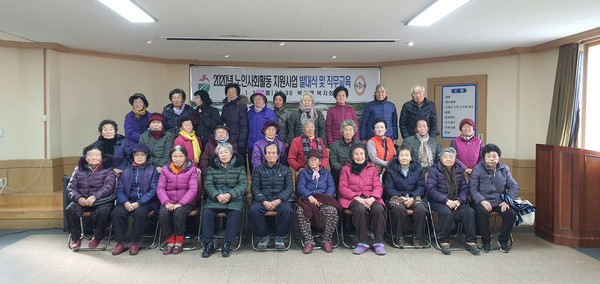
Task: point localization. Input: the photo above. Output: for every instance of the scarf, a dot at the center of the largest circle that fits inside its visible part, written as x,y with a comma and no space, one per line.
467,138
222,141
94,169
175,169
257,109
108,145
307,113
195,144
315,176
157,133
306,145
425,155
451,182
139,113
134,164
178,111
357,168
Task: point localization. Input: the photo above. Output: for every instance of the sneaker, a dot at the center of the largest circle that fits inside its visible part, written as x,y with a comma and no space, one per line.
75,245
209,248
119,249
379,249
93,244
134,249
473,249
417,244
400,242
308,248
360,248
327,247
263,243
226,249
504,247
279,243
445,248
486,247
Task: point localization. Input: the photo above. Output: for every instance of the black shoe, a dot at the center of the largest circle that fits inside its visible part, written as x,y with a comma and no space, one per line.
445,247
504,247
400,242
209,248
473,249
486,247
226,249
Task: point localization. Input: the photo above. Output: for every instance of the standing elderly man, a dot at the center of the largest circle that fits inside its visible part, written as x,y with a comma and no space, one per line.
379,108
419,106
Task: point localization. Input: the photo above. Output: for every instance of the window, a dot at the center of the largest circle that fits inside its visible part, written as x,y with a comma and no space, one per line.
591,100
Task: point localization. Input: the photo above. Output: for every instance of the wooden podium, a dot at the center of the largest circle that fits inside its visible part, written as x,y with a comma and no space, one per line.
567,194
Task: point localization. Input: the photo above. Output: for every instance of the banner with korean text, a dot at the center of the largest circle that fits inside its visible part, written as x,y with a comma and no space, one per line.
293,82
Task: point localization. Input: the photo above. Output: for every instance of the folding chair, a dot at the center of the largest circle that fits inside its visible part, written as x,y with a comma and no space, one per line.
344,223
88,214
198,244
222,218
273,215
495,215
392,230
457,230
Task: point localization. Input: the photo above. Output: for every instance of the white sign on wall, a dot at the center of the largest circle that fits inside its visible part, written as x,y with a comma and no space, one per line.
360,82
458,102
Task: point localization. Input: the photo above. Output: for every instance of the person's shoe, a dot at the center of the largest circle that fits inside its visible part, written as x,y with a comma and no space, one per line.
417,244
279,244
445,248
75,245
379,249
263,243
134,249
360,248
473,249
209,248
400,242
327,247
93,244
177,249
119,249
504,247
308,248
226,249
486,247
168,250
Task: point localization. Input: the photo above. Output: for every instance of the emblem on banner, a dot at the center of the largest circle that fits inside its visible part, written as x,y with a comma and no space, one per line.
204,86
360,85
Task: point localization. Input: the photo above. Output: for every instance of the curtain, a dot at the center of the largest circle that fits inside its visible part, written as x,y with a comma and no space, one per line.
563,127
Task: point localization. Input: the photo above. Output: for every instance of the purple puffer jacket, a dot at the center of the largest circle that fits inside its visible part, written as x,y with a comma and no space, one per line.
366,184
134,127
335,116
258,152
178,189
437,189
85,182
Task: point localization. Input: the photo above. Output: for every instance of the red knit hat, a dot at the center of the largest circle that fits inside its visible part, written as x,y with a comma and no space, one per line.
466,121
157,116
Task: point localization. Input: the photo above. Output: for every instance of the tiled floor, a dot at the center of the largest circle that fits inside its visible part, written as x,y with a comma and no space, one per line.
44,258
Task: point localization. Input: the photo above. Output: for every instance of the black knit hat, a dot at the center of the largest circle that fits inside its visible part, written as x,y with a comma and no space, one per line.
138,96
280,94
339,89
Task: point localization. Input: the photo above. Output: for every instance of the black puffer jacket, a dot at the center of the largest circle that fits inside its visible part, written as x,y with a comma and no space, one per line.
270,183
235,115
171,124
411,111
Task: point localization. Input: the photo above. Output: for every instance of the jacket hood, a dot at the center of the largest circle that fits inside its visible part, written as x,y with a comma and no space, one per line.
237,160
107,162
241,99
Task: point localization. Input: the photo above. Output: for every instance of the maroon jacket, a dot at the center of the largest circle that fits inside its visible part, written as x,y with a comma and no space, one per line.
335,116
85,182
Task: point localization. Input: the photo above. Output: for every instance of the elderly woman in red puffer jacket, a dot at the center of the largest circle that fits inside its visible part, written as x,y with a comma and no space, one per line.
177,189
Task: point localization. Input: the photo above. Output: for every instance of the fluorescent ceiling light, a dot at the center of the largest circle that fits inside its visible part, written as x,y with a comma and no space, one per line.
435,11
129,10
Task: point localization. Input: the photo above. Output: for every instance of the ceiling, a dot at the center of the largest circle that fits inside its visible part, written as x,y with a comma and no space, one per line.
479,26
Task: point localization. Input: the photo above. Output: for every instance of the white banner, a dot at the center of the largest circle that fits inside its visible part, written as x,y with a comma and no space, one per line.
458,102
293,82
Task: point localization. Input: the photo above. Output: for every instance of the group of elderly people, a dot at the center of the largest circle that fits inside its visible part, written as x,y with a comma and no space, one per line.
169,162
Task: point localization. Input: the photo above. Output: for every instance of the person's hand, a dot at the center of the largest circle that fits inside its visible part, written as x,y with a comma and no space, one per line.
361,200
276,203
504,206
170,207
128,206
176,206
395,200
158,169
117,172
408,202
199,171
90,200
368,202
487,206
468,171
451,204
314,201
223,198
268,205
82,201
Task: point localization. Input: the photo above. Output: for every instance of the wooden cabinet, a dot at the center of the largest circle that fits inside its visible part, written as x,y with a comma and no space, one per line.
567,194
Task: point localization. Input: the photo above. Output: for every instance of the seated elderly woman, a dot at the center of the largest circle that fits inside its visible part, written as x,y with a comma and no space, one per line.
91,188
177,189
225,185
303,143
316,189
270,130
489,180
360,191
447,192
424,149
403,188
136,197
113,144
340,149
380,148
468,146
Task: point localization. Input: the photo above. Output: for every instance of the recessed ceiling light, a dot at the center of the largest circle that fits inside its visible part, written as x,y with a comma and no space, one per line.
435,11
333,56
149,41
410,43
226,55
129,10
282,43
